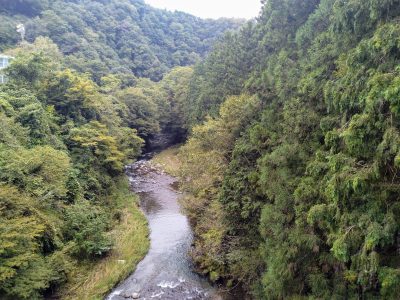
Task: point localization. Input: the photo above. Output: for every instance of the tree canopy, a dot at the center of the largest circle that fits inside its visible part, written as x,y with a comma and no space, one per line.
121,37
291,165
302,200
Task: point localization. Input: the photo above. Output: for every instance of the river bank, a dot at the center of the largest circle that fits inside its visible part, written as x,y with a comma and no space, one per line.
167,271
92,281
162,269
168,160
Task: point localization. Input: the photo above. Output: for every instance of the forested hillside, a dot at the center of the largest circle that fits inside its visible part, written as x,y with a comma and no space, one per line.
64,142
115,36
63,147
291,168
293,163
74,111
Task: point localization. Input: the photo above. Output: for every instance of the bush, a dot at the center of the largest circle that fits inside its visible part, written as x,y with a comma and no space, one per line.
86,226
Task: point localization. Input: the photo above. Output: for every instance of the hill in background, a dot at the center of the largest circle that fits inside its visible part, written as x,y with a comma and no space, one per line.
114,36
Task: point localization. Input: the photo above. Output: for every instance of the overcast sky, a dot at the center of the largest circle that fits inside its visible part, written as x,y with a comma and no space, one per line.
212,8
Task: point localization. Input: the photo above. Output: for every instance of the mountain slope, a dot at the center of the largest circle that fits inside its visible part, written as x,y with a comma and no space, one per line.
126,36
294,182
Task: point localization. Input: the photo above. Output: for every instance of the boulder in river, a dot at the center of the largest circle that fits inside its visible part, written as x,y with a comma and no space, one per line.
135,296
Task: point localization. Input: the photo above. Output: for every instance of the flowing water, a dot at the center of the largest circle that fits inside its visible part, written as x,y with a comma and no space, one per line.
166,271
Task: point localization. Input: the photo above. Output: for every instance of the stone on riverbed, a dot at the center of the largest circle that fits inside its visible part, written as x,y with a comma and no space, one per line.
131,296
135,296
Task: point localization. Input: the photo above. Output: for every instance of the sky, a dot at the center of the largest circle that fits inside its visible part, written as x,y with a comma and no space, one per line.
212,8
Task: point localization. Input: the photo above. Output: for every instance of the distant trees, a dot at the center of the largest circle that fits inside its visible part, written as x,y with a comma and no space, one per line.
103,37
141,111
176,110
25,7
223,73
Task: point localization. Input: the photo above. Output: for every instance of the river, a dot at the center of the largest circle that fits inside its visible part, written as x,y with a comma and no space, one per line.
166,272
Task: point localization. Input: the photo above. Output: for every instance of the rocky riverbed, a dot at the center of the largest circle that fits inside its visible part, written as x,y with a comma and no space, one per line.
166,272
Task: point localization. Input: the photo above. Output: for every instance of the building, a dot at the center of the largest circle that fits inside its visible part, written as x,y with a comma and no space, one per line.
4,62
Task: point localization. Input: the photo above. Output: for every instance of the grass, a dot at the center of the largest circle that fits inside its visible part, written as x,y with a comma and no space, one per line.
92,281
169,160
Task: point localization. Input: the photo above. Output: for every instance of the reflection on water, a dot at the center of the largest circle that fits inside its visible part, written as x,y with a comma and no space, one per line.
166,271
149,203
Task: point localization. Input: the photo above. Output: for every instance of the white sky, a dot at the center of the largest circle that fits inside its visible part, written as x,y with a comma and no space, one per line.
212,8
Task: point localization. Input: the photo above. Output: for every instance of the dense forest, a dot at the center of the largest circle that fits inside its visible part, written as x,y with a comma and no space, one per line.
90,85
64,142
291,166
293,162
126,37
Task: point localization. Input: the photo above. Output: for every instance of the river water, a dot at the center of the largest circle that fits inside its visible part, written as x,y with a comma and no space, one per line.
166,272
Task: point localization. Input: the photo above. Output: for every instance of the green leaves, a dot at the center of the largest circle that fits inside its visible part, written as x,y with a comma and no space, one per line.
141,111
205,159
28,68
41,171
312,185
28,7
73,95
392,94
23,271
128,38
390,282
94,140
85,225
360,135
62,142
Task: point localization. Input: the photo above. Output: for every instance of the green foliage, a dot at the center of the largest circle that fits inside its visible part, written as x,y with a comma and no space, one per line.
42,171
23,272
125,38
222,74
292,163
27,7
8,36
307,191
72,115
95,146
28,68
73,96
141,111
129,142
175,111
85,226
204,159
12,133
390,279
62,142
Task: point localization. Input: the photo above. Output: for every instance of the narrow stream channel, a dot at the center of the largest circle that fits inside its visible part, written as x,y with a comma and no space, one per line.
166,271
